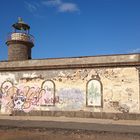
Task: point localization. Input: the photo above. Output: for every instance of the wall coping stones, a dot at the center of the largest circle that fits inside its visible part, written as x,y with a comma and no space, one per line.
122,60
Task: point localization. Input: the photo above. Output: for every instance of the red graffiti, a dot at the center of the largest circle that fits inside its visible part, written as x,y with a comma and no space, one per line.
52,100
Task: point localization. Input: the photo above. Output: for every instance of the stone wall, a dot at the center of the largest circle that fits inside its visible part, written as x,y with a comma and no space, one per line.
18,52
110,90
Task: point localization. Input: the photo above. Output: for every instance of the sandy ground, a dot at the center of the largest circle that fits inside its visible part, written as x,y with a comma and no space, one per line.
62,128
119,126
61,134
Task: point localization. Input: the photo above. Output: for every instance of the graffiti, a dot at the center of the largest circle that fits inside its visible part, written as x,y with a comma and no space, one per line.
48,98
30,96
71,98
70,89
20,97
18,102
94,94
50,101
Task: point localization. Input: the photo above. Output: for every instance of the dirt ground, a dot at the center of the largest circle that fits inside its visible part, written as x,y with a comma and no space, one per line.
61,134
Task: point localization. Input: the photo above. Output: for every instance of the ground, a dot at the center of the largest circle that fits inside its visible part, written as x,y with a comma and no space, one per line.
61,134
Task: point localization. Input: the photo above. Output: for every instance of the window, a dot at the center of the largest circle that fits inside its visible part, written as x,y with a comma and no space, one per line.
94,93
48,98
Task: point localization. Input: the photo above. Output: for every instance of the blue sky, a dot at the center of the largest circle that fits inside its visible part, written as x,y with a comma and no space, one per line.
69,28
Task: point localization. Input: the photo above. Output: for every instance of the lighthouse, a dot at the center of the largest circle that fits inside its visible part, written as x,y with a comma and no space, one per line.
20,42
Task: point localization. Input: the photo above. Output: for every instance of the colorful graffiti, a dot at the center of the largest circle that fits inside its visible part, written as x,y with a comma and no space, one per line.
94,93
25,98
70,89
51,101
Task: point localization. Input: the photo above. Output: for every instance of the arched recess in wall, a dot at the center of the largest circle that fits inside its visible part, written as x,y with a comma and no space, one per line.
94,94
48,98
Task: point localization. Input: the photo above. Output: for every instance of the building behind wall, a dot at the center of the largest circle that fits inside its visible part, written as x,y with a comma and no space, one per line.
95,86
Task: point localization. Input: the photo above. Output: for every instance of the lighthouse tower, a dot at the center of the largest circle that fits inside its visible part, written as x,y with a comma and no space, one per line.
20,42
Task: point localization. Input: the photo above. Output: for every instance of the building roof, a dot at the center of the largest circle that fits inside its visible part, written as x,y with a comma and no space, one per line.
123,60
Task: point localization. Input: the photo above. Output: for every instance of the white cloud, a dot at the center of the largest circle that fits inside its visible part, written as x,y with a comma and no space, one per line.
68,7
61,6
137,50
52,2
31,7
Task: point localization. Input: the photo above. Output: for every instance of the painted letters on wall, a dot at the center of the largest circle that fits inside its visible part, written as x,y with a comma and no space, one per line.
105,89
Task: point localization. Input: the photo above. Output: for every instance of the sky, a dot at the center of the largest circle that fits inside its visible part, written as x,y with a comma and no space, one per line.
71,28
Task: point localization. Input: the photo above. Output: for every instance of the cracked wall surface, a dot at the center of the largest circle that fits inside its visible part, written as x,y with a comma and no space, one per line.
87,89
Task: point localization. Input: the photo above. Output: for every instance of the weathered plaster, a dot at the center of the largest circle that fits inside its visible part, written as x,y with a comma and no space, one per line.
66,90
77,62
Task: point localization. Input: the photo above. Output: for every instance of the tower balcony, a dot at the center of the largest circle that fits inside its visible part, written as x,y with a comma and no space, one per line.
20,37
